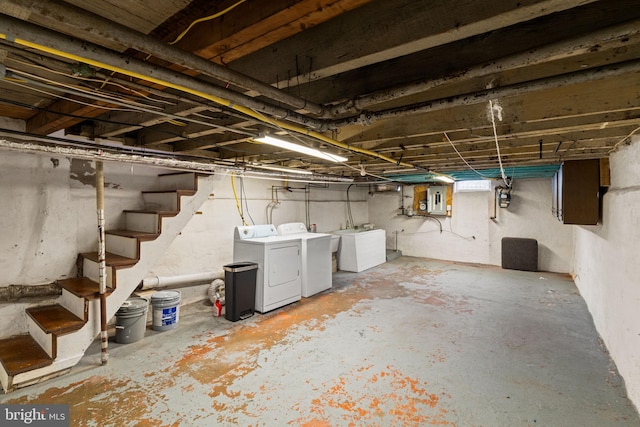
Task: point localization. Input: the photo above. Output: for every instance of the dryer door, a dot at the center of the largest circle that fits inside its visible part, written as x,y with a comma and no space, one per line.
283,283
283,265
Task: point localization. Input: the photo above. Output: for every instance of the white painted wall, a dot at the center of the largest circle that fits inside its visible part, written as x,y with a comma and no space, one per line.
469,235
48,216
607,267
206,243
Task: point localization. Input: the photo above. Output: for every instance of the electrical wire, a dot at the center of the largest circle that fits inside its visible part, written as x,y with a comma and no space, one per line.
495,135
88,79
206,18
623,139
78,90
56,96
349,216
463,159
307,205
235,195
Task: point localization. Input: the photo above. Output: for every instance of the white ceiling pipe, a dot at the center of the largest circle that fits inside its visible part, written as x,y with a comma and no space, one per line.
75,149
81,23
153,282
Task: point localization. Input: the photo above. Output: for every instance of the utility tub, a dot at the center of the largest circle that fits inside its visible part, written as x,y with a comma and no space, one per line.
361,249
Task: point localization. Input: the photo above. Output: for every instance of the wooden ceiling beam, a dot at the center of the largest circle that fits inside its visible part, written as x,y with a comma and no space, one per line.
385,31
254,25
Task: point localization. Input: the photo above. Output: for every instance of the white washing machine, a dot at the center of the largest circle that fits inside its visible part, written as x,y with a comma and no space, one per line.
316,257
278,278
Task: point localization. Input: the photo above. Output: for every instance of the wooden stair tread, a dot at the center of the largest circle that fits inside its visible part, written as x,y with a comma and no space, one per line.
55,319
111,260
82,287
22,353
140,235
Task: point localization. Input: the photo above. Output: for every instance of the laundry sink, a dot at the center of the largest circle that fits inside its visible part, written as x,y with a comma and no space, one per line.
360,248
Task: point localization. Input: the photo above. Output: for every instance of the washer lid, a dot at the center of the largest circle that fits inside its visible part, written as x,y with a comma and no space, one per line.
292,228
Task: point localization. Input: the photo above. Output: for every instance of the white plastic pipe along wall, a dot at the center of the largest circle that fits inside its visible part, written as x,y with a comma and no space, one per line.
152,282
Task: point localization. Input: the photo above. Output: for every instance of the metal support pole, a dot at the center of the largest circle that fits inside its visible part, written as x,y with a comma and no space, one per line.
102,272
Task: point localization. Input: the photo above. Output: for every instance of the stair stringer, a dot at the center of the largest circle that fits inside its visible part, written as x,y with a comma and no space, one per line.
128,279
72,346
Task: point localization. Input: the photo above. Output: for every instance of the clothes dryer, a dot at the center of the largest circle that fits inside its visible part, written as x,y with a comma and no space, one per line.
278,278
316,257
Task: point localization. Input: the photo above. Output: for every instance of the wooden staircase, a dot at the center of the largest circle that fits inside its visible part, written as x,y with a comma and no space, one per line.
58,335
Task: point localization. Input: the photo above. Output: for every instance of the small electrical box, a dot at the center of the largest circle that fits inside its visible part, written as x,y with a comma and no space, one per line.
437,200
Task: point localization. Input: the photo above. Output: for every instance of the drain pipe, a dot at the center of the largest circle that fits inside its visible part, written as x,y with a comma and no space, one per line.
154,282
102,267
52,43
93,27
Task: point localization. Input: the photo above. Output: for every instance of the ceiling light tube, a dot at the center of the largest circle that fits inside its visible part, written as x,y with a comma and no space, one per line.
300,148
445,178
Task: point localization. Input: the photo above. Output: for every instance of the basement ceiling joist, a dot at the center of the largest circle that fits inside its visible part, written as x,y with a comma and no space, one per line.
382,82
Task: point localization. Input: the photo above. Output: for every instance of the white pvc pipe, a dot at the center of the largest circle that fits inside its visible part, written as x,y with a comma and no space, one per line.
151,282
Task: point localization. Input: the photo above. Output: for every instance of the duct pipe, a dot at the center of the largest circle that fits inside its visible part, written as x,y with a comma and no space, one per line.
499,92
153,282
84,24
607,39
55,146
41,39
50,42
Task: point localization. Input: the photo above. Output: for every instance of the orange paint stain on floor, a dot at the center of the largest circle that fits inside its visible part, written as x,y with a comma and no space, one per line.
101,401
220,359
387,397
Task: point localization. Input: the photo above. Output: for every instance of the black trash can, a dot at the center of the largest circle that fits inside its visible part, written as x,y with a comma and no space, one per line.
240,290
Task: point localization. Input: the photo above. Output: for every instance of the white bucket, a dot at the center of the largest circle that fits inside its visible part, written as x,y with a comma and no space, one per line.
166,310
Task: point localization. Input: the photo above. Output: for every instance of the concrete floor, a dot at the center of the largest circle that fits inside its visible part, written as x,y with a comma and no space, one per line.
413,342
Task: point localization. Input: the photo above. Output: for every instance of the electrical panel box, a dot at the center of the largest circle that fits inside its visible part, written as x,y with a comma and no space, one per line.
437,200
431,199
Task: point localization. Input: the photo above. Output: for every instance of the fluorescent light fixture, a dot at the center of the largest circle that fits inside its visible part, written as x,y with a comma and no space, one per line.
300,148
444,178
282,169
